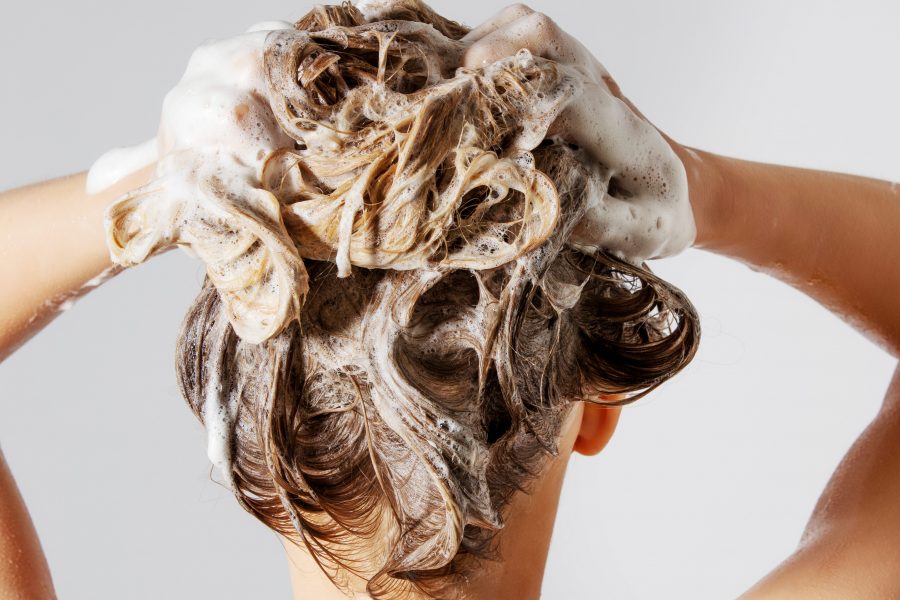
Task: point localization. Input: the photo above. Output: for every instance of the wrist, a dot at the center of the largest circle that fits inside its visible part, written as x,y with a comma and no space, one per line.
709,194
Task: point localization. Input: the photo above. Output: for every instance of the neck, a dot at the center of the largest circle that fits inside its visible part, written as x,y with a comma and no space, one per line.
523,543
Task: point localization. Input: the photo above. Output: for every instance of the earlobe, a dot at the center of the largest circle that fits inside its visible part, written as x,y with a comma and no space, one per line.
598,423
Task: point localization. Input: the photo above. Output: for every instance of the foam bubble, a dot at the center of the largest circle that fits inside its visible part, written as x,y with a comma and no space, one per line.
269,26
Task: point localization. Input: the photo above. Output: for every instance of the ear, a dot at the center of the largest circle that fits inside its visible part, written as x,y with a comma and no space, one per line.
598,423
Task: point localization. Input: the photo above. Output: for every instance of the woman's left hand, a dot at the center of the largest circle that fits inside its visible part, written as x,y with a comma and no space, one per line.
645,210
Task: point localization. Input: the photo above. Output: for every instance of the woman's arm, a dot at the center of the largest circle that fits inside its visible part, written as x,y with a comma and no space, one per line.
51,244
834,237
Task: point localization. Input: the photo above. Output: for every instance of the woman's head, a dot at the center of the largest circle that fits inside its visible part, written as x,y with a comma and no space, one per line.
405,399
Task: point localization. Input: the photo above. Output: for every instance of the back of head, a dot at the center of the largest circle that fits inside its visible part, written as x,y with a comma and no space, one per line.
448,327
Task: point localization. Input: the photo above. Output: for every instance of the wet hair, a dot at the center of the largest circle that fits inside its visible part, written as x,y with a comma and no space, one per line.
447,327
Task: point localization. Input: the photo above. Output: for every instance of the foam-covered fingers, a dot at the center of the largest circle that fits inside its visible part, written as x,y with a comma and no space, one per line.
509,14
644,226
535,31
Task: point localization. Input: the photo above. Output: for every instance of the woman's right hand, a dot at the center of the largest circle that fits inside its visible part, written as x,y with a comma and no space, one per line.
216,131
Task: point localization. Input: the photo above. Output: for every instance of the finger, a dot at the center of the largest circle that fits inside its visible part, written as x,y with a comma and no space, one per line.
641,226
535,31
620,224
502,18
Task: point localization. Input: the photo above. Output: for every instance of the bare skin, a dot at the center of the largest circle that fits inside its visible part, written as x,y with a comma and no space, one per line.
830,235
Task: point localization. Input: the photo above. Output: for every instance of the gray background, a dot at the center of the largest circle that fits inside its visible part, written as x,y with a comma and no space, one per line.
707,484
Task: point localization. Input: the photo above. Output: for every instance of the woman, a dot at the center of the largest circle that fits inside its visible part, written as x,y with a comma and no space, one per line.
733,207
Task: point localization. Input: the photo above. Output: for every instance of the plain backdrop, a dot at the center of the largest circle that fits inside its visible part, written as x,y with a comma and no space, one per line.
707,484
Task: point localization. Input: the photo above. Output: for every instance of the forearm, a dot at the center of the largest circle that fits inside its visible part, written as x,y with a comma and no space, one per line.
835,237
51,244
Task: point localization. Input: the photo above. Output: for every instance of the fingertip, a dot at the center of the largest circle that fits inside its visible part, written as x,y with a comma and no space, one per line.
509,14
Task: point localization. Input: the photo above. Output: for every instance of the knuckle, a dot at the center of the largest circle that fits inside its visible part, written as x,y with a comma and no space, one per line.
517,10
541,21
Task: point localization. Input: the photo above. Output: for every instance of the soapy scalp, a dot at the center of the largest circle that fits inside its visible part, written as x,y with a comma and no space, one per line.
423,361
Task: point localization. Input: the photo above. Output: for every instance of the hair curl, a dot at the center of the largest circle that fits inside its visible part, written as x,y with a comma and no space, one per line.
387,425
